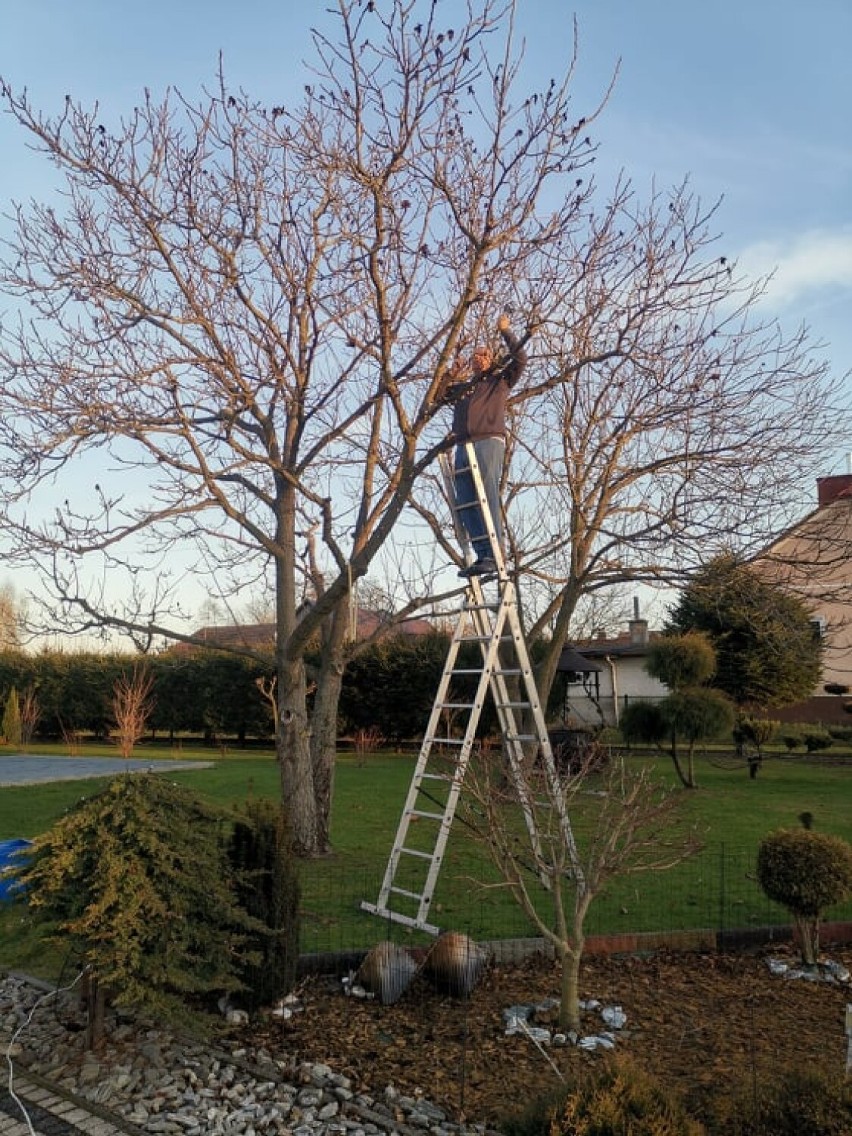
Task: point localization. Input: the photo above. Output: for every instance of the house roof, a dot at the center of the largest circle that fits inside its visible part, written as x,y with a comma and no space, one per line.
624,645
571,660
261,636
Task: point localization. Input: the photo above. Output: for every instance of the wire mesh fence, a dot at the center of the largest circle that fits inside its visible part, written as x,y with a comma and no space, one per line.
714,892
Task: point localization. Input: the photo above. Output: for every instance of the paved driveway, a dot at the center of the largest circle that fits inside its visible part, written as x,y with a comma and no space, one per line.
30,769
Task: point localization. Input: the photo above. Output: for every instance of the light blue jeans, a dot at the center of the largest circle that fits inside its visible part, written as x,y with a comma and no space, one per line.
490,453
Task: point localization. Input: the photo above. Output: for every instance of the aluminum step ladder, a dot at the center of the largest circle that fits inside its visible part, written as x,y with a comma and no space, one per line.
493,625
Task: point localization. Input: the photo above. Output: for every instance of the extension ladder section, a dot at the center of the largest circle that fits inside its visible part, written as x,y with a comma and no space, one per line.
491,630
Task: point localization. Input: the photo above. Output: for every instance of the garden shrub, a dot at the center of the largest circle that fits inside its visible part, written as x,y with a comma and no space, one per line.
816,738
799,1103
11,727
642,723
268,887
806,872
758,731
616,1098
791,736
136,882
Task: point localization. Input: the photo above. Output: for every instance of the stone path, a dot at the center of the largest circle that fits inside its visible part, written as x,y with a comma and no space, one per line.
31,769
35,1108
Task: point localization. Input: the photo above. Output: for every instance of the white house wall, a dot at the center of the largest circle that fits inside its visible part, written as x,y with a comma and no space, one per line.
632,682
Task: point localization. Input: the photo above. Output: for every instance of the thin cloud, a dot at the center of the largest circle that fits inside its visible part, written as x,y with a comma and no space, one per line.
803,267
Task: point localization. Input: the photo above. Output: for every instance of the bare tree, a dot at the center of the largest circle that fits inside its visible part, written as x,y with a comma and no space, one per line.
131,707
622,821
11,618
243,312
30,716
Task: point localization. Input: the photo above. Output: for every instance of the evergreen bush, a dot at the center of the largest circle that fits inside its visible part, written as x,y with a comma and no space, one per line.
268,887
11,726
136,882
791,736
612,1100
816,738
806,872
799,1103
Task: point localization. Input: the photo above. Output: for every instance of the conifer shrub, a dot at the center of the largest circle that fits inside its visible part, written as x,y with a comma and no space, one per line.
791,736
816,738
803,1102
615,1098
261,855
806,872
11,726
135,881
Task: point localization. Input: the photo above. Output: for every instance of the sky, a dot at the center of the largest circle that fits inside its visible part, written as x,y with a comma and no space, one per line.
751,100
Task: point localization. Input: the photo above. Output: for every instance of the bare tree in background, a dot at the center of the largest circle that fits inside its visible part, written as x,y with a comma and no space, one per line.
11,618
623,821
30,715
233,324
131,707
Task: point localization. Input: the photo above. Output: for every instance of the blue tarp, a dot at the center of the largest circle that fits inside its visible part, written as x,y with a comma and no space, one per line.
11,857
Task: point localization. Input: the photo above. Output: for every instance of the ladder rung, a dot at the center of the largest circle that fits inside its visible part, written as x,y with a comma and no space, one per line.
396,917
446,741
416,852
425,816
405,892
456,705
514,705
435,777
505,672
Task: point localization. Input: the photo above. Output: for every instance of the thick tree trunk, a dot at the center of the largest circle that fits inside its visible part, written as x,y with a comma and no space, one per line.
324,743
292,745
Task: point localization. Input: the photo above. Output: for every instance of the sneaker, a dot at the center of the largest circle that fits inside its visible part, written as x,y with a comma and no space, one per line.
485,567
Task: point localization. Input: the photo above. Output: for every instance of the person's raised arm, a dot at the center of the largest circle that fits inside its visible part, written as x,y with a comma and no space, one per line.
513,368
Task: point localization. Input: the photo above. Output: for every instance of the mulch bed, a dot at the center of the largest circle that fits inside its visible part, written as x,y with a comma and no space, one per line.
706,1024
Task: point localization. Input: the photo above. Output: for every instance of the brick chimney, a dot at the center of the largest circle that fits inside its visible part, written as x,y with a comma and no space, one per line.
831,488
638,628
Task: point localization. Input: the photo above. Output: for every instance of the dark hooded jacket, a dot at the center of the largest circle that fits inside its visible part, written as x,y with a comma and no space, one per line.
479,403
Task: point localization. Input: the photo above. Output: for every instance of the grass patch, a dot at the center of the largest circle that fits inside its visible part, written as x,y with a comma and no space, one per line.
715,889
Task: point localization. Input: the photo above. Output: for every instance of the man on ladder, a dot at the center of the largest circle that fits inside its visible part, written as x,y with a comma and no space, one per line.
479,395
504,670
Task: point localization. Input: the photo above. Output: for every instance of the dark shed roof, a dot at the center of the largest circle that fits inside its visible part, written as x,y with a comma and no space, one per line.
571,660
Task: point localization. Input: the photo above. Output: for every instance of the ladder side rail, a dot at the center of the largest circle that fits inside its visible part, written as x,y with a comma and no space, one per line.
548,761
490,527
429,739
446,462
455,784
513,745
489,660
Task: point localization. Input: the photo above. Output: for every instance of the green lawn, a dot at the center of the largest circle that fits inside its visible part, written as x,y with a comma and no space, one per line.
715,889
